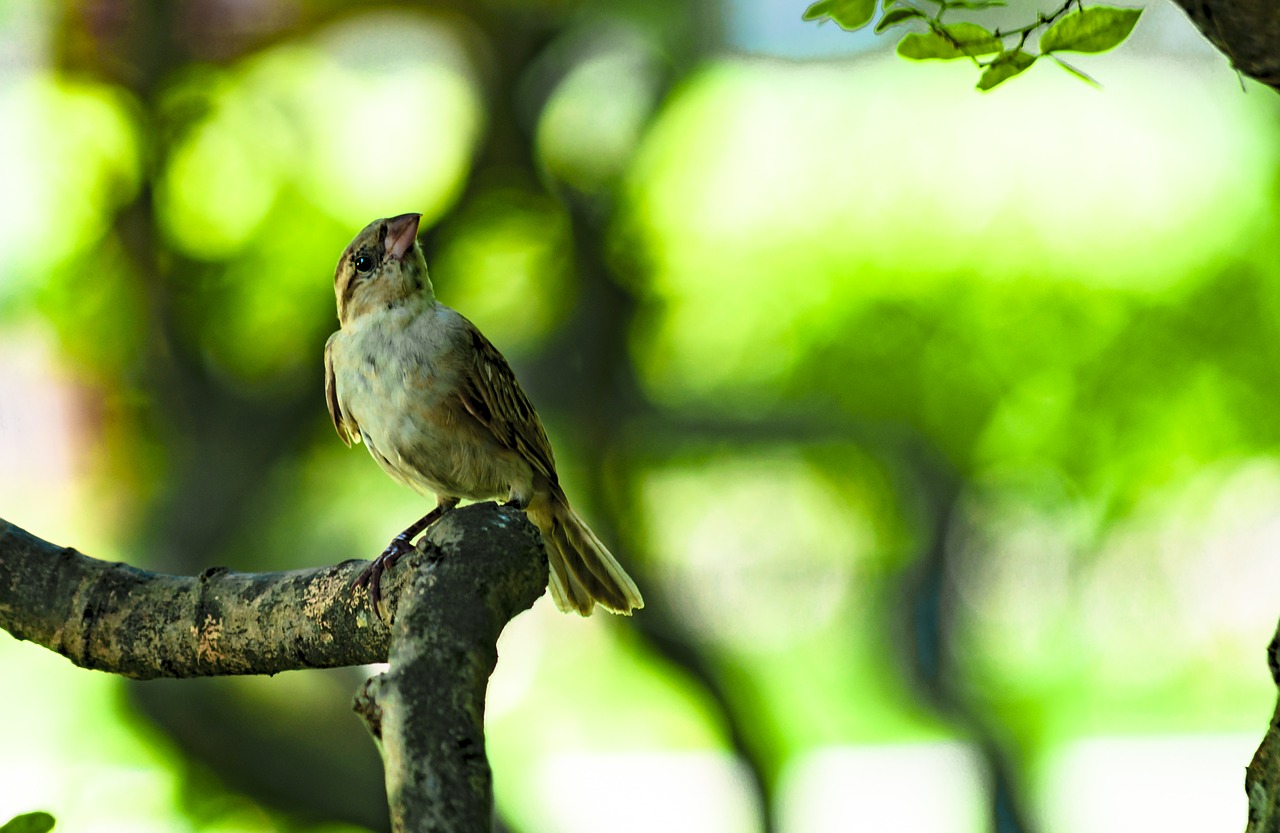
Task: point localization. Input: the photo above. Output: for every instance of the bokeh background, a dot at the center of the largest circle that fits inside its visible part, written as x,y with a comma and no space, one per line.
939,428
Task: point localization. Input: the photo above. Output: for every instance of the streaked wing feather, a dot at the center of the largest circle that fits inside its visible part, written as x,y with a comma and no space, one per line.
492,395
348,430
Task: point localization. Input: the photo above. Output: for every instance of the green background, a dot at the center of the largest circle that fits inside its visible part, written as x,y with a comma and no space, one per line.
937,427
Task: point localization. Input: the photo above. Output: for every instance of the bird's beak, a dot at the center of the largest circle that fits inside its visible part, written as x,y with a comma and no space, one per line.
401,232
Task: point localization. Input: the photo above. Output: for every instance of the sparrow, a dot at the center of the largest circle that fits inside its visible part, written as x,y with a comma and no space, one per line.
440,410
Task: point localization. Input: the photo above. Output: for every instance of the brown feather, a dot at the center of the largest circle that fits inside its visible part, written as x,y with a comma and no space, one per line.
490,393
343,424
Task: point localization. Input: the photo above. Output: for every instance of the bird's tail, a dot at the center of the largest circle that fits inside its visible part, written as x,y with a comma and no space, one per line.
583,571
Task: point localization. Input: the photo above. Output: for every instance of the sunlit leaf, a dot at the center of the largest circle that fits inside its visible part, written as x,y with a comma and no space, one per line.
29,823
895,16
1004,68
1082,75
850,14
1092,29
961,40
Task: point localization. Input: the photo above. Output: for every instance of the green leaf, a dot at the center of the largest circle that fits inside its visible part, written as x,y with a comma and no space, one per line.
975,4
895,16
1005,67
850,14
1083,76
1092,29
966,40
29,823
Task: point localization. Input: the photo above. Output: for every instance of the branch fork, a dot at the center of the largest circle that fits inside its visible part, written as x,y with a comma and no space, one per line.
475,570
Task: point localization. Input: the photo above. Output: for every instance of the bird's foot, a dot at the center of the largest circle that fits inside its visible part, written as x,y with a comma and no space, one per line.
400,546
371,576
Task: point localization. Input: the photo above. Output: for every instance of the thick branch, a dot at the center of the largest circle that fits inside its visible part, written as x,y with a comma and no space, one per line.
113,617
427,711
1262,778
1247,32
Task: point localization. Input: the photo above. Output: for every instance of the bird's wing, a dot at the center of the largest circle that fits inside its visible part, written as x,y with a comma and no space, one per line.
348,430
490,393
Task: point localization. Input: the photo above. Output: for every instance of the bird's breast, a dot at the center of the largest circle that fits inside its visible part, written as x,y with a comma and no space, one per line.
401,387
391,383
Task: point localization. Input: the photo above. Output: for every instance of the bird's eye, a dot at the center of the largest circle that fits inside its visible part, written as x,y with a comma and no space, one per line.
364,263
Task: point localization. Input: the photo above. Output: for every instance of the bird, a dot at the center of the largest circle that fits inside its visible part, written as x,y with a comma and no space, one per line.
440,410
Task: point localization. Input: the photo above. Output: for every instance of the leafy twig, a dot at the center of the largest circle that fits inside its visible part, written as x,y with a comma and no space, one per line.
1072,27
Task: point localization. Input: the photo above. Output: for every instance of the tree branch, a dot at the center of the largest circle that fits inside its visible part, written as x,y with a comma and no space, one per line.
478,567
1246,31
427,711
1262,777
113,617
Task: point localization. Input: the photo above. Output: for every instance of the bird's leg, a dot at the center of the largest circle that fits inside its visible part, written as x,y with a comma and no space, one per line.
519,499
400,545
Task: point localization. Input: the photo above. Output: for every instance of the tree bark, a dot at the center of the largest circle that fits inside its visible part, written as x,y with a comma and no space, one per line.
1246,31
426,713
476,569
1262,777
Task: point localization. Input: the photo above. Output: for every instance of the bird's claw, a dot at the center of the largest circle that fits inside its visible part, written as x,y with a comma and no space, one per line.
371,576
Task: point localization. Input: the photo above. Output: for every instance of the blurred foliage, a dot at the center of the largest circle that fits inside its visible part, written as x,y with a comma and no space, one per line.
938,429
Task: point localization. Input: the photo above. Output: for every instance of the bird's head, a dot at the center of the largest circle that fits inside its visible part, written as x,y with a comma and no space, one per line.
383,267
